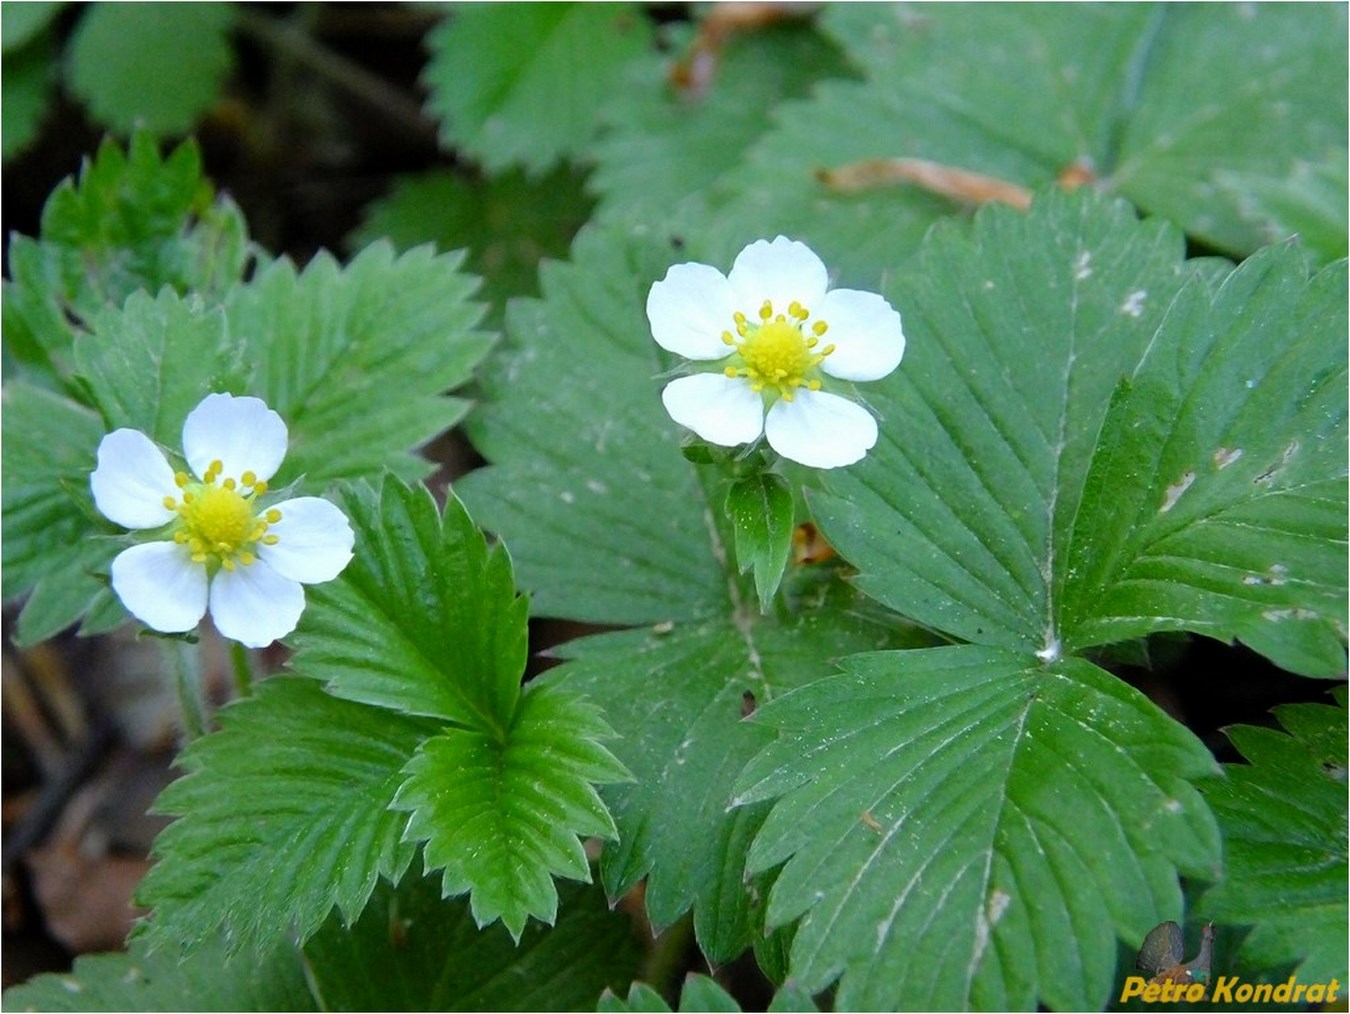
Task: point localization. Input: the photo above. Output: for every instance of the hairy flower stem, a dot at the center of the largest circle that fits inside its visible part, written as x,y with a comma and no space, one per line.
243,669
185,658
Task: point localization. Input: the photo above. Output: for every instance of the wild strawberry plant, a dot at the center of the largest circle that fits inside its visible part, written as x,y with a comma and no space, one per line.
857,710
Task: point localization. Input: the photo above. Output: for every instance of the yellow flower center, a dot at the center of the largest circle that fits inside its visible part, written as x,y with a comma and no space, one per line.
219,523
777,354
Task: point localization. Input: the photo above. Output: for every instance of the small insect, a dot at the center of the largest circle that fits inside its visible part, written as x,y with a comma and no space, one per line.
871,821
1163,950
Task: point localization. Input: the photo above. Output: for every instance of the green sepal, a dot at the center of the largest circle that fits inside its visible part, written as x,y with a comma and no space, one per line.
761,512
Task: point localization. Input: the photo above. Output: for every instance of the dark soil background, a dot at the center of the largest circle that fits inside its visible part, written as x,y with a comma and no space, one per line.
90,727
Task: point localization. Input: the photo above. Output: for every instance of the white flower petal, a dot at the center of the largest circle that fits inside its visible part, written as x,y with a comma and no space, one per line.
782,272
314,541
689,309
721,409
161,586
131,481
242,433
865,330
820,430
255,605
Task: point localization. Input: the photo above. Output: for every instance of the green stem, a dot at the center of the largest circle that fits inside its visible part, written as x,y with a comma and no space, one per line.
666,960
243,669
186,660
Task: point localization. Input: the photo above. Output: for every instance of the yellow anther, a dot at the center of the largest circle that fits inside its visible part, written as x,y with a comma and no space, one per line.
246,558
270,540
248,479
738,317
227,563
259,487
170,503
798,311
188,497
827,350
812,342
180,479
216,466
766,311
742,329
819,328
727,339
229,484
732,372
274,515
813,385
780,319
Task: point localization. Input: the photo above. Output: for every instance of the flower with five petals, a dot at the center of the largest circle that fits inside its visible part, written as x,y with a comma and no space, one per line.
780,335
221,548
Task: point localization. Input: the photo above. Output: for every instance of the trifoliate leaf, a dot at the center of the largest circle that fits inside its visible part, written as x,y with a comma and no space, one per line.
761,510
45,462
964,827
507,223
411,950
356,359
524,85
678,698
142,980
1012,501
504,813
29,81
1283,817
666,147
157,66
133,221
1216,499
424,620
282,816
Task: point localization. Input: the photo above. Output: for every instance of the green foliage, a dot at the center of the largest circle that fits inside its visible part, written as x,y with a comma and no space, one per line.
133,221
142,980
356,359
523,84
760,508
24,22
157,66
295,805
1283,817
699,993
29,79
668,148
506,223
1025,506
503,814
283,814
425,620
940,852
410,950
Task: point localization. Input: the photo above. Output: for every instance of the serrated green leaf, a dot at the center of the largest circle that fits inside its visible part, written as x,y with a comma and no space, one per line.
133,221
684,738
502,815
524,84
1283,817
46,458
149,363
1009,495
506,223
425,620
699,993
356,358
964,827
29,82
411,950
282,816
1216,499
761,512
666,148
141,980
1163,104
606,519
157,66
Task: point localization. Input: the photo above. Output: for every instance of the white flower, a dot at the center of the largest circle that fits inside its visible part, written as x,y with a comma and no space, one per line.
767,320
222,549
